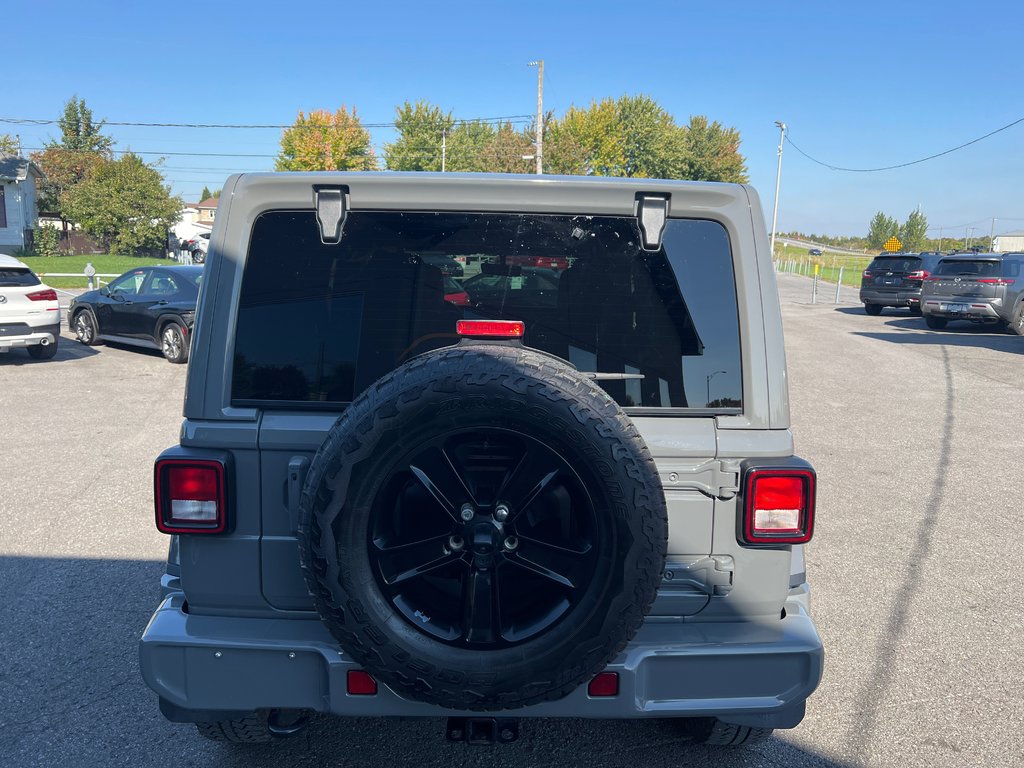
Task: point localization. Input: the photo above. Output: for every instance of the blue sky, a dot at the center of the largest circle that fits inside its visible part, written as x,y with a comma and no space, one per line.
860,84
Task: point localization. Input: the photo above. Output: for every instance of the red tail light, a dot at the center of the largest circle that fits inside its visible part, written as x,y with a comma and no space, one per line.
867,273
492,329
47,295
778,506
933,278
604,684
460,299
920,274
996,280
191,496
360,683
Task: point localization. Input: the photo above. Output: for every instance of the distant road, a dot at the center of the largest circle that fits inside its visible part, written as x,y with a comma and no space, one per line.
825,248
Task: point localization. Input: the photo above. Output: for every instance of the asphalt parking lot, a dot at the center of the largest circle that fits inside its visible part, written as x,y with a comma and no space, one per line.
917,588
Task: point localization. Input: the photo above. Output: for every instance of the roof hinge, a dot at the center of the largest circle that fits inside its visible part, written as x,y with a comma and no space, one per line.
652,212
331,210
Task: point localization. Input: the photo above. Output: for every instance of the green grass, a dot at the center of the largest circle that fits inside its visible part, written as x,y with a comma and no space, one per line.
799,262
104,264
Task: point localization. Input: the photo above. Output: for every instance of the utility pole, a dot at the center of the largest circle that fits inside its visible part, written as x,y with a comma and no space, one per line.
970,236
539,64
940,239
778,177
444,147
992,234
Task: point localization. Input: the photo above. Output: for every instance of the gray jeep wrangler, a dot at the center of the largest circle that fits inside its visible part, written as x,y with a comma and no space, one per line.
487,448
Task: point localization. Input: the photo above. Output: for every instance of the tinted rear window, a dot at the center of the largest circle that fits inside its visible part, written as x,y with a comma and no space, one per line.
895,264
10,276
319,323
970,267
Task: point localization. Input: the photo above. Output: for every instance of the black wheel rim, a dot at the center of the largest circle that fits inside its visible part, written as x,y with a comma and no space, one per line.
483,538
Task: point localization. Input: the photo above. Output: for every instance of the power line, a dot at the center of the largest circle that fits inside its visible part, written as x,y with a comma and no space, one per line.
903,165
153,152
257,126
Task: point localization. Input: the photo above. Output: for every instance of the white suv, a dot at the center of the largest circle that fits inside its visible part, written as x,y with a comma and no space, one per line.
29,312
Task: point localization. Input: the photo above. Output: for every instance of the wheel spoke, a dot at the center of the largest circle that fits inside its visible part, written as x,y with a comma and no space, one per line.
526,482
552,562
438,475
402,562
481,621
582,549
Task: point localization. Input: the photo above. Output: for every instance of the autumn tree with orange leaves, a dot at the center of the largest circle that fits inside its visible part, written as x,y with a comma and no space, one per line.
322,141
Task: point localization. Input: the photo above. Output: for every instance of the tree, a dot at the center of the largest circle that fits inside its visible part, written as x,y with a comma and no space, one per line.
8,145
81,149
422,127
634,136
504,153
205,194
323,141
125,203
711,152
914,232
78,131
882,227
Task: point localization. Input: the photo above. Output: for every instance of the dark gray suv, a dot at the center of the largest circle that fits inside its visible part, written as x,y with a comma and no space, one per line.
895,280
983,288
556,482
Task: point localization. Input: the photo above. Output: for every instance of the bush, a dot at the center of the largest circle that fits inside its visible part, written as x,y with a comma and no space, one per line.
46,242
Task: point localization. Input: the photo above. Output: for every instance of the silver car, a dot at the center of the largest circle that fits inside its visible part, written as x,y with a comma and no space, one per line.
976,287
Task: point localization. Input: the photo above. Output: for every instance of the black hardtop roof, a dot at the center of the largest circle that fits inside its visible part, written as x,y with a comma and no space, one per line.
968,256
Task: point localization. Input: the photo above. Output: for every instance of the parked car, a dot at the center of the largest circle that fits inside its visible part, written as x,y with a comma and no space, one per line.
29,312
895,280
386,504
151,307
814,252
980,288
198,247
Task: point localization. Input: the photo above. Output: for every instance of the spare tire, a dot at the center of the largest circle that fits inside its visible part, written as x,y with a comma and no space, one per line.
483,528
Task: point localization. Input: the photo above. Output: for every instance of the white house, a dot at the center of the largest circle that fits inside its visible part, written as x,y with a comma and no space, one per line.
1008,241
18,211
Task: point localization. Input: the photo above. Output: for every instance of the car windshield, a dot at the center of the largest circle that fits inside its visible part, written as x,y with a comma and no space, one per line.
895,264
321,323
970,267
11,276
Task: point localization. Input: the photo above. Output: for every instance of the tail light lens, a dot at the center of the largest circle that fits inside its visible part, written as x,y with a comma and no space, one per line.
778,506
867,273
191,496
920,274
360,683
47,295
603,685
491,329
995,280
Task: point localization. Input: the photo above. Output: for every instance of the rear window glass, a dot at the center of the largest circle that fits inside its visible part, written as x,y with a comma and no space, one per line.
895,264
11,276
969,267
320,323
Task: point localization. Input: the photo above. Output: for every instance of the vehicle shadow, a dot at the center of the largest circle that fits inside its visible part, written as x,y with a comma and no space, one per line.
914,331
886,313
68,350
70,685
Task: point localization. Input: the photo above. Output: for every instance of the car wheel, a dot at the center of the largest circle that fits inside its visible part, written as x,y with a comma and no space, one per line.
873,309
712,731
915,310
173,344
258,728
198,257
935,323
462,531
84,326
1016,323
48,352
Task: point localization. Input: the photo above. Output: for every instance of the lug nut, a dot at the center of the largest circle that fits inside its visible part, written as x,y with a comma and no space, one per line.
467,512
455,543
511,543
501,513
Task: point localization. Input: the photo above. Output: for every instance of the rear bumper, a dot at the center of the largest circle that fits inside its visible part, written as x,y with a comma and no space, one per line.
746,672
891,298
985,310
44,334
